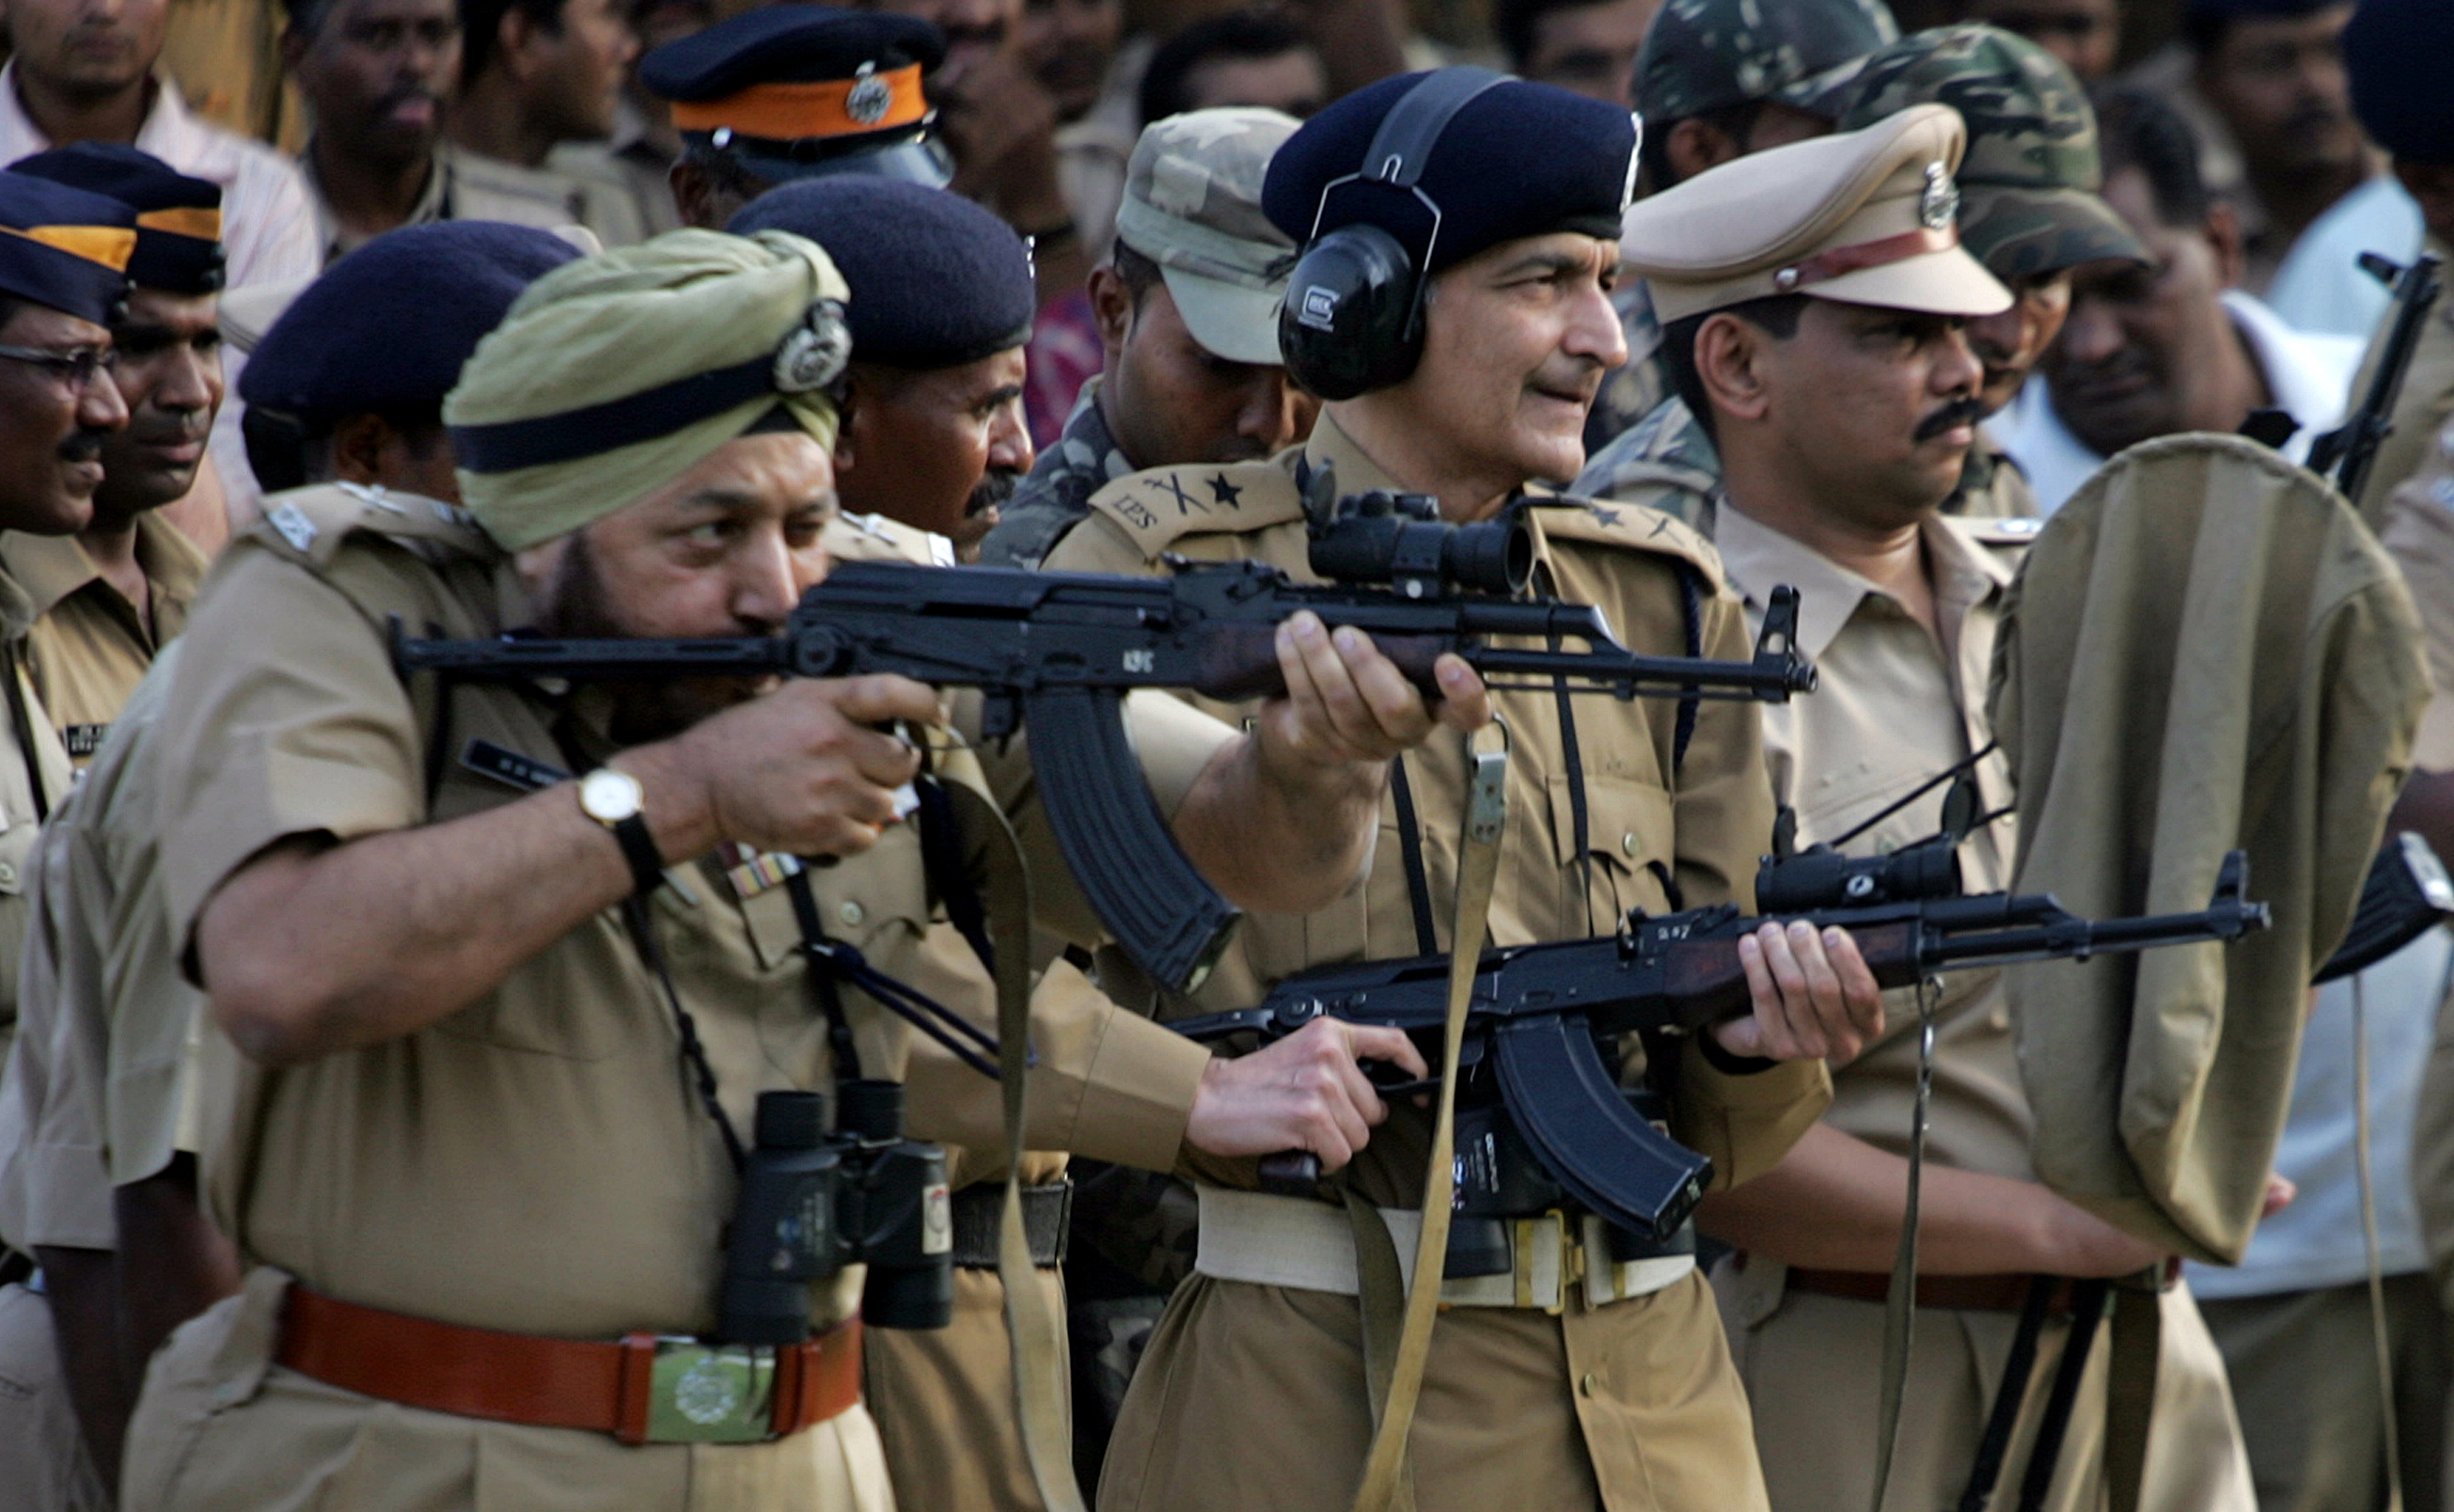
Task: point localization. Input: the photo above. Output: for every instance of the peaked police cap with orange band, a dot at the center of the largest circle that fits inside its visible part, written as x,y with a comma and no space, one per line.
1868,217
178,218
792,91
64,248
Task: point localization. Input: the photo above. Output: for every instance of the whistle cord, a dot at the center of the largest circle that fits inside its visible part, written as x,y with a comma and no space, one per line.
23,722
1951,773
1410,845
1691,601
1900,1307
1580,820
843,1052
697,1073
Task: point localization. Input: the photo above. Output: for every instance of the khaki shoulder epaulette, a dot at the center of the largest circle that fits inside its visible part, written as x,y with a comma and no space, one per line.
1630,527
310,523
874,538
1158,507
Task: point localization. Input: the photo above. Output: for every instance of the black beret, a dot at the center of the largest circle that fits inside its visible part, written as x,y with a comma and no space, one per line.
2202,12
796,90
71,249
386,328
178,218
2396,52
935,280
1519,159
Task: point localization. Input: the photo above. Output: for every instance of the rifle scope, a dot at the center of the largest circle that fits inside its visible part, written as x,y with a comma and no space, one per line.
1820,878
1401,539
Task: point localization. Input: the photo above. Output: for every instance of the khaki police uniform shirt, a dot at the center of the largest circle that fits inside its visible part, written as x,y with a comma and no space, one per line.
1892,709
546,1128
91,646
101,1085
31,783
1628,1406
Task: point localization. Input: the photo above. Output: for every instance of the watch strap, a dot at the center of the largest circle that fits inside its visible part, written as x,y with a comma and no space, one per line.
639,849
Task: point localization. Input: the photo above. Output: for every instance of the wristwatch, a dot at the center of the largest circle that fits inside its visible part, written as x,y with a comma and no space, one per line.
613,798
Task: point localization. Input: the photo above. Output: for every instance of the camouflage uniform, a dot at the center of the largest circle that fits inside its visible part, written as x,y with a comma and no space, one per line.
1668,462
1058,490
1705,55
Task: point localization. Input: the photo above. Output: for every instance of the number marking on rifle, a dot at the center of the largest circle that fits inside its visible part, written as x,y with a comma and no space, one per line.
1138,659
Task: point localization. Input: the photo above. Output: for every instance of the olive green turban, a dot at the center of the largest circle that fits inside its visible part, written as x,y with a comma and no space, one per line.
616,373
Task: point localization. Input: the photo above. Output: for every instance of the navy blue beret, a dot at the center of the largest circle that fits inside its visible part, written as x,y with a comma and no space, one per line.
2205,11
178,218
2396,52
386,328
1519,159
937,281
71,249
798,89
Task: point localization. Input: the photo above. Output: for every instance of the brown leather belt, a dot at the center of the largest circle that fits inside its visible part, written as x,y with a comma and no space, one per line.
646,1389
1989,1293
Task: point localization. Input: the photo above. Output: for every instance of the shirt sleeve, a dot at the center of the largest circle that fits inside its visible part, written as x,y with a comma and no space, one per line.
287,719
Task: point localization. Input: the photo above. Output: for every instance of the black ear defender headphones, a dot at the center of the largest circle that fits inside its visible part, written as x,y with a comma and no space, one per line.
1351,320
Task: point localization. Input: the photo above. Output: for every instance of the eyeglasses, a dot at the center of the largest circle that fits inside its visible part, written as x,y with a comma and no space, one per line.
78,366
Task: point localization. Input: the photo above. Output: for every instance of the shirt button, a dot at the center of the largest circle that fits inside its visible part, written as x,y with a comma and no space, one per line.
1627,843
1590,1384
8,874
850,913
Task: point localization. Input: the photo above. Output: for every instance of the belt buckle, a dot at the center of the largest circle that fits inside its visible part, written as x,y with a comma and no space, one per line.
700,1393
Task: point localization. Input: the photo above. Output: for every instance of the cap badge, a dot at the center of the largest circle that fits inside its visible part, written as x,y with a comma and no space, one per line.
1939,205
870,98
814,355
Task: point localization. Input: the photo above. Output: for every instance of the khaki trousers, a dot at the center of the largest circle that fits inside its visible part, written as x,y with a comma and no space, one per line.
1253,1397
1813,1368
220,1428
943,1399
44,1466
2303,1368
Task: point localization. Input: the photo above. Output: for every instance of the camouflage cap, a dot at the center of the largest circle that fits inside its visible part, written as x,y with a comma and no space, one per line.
1193,204
1703,55
2028,201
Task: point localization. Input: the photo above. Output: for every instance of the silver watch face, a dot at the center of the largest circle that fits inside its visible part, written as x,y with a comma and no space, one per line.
608,797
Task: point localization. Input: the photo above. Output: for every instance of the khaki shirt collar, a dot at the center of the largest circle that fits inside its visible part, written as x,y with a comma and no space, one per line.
1356,471
1760,558
48,568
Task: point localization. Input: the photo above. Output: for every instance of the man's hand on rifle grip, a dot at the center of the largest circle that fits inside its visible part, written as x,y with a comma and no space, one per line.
1813,996
1306,1092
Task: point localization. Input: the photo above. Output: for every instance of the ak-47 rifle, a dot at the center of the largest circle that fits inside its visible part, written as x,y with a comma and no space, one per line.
1543,1017
1061,649
2344,454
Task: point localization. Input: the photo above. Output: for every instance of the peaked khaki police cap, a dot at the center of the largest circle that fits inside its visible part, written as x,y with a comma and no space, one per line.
1865,217
1193,206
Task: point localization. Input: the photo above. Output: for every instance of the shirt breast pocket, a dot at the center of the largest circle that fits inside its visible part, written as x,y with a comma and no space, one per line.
1630,853
17,855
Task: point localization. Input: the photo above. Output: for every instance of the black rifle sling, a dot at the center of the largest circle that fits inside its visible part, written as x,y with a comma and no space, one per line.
1691,587
1410,845
1578,816
2018,1369
950,877
22,723
2087,1314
